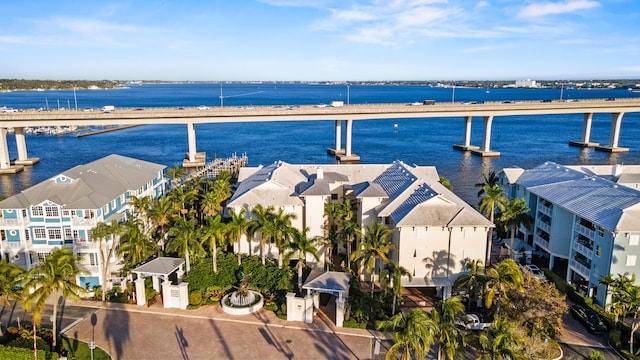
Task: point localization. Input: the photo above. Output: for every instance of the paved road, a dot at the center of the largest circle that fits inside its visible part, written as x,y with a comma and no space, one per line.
577,343
10,315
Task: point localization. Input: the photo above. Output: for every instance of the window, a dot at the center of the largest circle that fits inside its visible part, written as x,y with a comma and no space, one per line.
75,235
634,239
89,235
67,234
93,259
42,256
55,234
113,204
600,231
631,260
66,213
105,209
51,211
37,211
598,250
39,233
24,212
334,196
26,235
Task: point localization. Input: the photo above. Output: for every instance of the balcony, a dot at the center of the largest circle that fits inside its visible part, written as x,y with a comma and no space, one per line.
583,249
538,240
544,226
585,231
13,244
581,269
547,210
77,222
84,245
14,222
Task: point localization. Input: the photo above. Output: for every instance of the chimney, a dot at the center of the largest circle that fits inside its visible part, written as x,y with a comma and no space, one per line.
320,173
617,170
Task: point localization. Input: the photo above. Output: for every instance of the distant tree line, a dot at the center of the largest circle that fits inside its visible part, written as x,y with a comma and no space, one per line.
21,84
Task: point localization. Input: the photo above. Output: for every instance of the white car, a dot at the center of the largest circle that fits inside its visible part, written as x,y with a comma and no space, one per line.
536,271
203,107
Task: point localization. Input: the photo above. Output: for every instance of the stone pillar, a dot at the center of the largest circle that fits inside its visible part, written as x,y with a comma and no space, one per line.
586,127
156,283
467,131
308,313
191,136
21,144
348,137
5,163
184,295
338,135
141,297
614,134
486,139
340,312
167,300
316,300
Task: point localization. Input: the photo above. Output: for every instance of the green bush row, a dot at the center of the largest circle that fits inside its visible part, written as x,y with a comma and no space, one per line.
14,353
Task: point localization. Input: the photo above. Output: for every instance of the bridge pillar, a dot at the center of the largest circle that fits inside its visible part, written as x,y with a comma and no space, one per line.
348,156
486,140
466,144
338,150
5,163
193,158
614,135
21,145
586,133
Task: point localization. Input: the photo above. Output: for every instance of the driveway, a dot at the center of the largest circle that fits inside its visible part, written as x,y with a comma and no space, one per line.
578,343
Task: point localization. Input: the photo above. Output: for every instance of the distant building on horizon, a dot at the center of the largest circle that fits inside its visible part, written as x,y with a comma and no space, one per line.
526,83
63,210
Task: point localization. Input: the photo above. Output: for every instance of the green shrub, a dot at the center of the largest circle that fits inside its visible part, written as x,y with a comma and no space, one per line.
271,306
26,343
615,338
13,353
149,293
195,297
595,355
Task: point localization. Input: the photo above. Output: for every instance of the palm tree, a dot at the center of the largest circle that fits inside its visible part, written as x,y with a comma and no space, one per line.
210,204
446,183
135,245
413,334
58,272
162,213
185,236
282,231
391,277
333,213
301,245
213,233
490,179
349,232
515,214
262,225
471,279
183,199
101,233
140,206
499,342
449,337
374,246
236,227
176,173
493,198
500,279
11,277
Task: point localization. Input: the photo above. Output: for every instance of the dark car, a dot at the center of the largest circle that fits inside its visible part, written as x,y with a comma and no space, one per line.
589,318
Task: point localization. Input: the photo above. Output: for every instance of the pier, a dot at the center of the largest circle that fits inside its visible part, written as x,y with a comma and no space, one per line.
347,114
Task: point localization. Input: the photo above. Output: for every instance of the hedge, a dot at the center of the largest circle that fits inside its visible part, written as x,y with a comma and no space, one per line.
13,353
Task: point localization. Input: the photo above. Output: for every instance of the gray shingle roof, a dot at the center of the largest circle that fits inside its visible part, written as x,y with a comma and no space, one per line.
160,266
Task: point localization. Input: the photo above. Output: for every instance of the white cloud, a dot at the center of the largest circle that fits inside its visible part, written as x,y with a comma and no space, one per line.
553,8
481,4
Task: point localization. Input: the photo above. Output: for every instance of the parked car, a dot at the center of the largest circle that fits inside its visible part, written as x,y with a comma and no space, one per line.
473,322
589,318
536,271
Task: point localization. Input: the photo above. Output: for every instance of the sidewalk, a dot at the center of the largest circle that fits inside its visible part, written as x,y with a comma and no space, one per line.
140,332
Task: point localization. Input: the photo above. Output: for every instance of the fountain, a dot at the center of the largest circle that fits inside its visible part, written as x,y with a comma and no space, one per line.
243,301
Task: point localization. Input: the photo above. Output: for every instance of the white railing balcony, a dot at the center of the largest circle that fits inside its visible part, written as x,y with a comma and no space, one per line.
585,231
582,249
580,269
544,226
547,210
92,269
83,245
13,244
541,242
84,222
14,222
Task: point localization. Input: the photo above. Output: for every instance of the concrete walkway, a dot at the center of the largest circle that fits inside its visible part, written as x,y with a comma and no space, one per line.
140,332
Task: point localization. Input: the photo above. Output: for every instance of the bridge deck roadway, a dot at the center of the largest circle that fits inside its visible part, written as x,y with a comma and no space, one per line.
310,113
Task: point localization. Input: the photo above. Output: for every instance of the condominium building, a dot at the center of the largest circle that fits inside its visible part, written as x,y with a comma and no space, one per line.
63,210
586,220
435,231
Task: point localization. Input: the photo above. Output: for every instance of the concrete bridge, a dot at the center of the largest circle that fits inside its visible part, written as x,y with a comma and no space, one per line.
342,114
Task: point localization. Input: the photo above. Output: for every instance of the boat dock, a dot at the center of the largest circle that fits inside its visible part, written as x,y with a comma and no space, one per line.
105,130
214,168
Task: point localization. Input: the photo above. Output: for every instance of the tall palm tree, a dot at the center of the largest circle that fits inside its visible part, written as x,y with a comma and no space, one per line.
471,279
413,334
11,278
374,246
446,183
391,278
493,199
162,213
184,199
333,213
236,227
515,214
450,338
101,233
185,237
349,232
499,342
282,231
262,225
57,273
210,204
141,206
301,245
135,245
505,276
176,173
213,233
490,179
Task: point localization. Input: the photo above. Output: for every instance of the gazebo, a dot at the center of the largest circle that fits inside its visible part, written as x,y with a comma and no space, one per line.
173,296
331,282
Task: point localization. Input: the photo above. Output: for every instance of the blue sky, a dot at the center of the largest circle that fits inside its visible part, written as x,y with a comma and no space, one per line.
320,40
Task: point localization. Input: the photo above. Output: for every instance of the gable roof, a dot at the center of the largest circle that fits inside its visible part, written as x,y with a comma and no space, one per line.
88,186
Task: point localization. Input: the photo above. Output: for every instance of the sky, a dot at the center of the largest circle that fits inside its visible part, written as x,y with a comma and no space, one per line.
320,40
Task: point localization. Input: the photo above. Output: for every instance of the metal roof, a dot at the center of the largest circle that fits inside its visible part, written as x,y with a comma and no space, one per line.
159,266
331,281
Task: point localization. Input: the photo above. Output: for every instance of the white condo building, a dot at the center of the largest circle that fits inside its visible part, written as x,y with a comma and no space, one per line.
435,231
587,220
63,210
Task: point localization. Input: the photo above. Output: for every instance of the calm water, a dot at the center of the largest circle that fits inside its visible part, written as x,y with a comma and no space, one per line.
524,141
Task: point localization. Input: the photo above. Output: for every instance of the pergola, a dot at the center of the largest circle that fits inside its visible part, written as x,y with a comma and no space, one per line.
334,283
158,268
